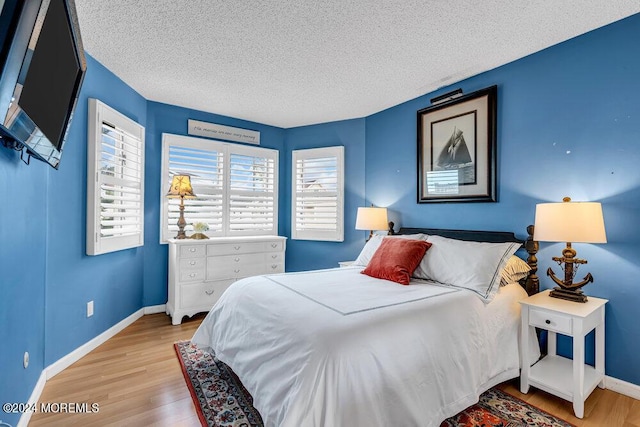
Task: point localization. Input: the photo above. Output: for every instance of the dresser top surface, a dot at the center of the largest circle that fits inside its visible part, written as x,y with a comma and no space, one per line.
233,239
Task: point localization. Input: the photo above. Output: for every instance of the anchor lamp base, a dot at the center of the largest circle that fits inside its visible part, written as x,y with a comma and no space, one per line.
568,294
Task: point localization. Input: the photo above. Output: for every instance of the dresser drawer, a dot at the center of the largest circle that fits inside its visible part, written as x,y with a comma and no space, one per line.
192,263
231,262
203,294
259,269
244,248
190,251
238,266
188,275
554,322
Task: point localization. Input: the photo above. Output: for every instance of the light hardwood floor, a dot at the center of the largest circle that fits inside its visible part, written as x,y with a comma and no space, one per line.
136,380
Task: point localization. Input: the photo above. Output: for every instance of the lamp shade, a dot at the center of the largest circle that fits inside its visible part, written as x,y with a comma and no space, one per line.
372,219
574,222
181,187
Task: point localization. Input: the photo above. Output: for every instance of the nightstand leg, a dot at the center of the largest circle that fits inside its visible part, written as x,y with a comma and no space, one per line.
600,351
551,343
578,375
524,350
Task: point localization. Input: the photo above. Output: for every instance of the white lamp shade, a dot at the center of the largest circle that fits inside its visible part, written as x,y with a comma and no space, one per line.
372,219
574,222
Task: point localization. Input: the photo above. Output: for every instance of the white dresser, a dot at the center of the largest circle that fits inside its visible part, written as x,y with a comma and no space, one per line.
200,270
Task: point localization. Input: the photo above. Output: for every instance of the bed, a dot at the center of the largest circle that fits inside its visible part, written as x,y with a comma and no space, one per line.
339,348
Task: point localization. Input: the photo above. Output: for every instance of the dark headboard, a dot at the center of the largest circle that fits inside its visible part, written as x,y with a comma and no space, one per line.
531,283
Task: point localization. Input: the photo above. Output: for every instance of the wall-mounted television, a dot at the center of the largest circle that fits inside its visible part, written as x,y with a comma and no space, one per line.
43,65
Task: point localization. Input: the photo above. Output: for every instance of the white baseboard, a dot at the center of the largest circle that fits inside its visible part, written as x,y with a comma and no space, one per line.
622,387
33,400
66,361
153,309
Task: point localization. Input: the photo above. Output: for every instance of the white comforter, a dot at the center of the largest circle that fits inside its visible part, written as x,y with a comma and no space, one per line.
338,348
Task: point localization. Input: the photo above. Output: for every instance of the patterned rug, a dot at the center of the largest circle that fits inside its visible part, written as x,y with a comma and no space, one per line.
222,401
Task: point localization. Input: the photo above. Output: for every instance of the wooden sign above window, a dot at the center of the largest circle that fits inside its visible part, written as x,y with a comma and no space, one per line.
227,133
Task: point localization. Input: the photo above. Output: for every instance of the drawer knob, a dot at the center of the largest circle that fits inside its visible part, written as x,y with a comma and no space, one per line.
192,249
274,245
274,256
237,270
548,322
237,248
192,263
192,275
209,292
236,259
274,266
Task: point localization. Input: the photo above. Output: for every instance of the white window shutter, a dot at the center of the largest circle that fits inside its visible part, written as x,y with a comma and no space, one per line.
206,169
236,187
115,181
252,188
318,194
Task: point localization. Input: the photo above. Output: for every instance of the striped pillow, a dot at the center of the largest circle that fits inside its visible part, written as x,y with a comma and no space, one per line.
515,270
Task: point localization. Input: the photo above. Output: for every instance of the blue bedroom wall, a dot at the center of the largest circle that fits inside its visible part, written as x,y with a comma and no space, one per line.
568,125
163,118
308,255
23,236
113,281
46,277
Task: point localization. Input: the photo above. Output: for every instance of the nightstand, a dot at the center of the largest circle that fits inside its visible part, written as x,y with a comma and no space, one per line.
345,263
571,380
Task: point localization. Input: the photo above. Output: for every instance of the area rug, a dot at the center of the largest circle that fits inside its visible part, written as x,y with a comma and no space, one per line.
222,401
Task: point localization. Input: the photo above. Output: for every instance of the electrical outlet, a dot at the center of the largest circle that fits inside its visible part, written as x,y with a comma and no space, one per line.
90,309
25,360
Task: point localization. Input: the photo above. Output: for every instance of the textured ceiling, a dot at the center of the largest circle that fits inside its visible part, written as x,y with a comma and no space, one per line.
296,62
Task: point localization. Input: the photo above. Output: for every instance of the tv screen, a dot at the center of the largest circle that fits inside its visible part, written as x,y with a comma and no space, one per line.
46,86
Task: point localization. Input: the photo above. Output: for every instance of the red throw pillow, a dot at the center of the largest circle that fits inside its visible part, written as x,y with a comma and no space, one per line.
396,259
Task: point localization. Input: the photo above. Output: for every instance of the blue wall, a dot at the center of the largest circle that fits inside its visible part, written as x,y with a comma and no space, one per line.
113,281
23,238
307,255
163,118
46,277
568,125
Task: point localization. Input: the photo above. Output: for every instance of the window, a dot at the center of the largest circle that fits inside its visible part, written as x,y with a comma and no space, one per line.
236,187
318,194
115,181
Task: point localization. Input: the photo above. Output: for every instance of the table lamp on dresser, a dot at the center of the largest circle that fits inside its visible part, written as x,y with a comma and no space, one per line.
181,188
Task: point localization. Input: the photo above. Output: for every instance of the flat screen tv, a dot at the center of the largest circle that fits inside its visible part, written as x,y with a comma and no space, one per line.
43,65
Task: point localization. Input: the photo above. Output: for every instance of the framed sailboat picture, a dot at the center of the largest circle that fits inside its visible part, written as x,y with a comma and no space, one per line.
457,149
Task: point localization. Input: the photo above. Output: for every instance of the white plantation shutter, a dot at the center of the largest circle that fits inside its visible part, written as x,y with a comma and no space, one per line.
206,169
115,175
252,184
318,194
236,187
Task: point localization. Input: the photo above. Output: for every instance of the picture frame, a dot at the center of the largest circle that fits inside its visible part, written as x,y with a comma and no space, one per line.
457,149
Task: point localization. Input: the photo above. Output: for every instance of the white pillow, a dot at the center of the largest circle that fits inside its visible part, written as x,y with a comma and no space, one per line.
514,271
472,265
374,243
